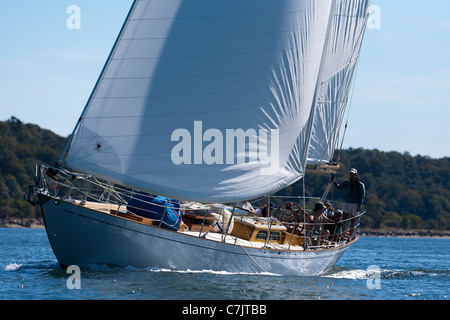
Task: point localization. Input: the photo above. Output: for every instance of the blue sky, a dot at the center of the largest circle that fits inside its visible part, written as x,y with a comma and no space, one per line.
401,100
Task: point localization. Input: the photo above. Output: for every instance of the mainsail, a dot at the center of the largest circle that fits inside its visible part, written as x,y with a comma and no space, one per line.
342,53
213,101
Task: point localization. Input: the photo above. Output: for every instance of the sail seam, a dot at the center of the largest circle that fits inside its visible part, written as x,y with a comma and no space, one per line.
224,55
222,16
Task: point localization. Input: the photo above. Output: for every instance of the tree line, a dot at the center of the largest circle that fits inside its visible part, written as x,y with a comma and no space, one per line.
20,145
402,191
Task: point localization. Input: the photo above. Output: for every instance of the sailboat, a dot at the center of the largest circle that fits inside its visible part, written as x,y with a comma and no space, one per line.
200,106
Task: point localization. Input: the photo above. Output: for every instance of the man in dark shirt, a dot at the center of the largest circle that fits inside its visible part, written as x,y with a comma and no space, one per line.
353,200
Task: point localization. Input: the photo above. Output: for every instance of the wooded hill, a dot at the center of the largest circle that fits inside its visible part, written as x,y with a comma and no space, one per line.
402,191
20,145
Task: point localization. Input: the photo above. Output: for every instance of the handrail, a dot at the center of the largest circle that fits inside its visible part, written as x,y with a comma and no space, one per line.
66,184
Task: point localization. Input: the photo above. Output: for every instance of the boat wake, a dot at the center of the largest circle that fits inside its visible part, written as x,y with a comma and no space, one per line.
188,271
357,274
352,274
107,268
12,267
45,266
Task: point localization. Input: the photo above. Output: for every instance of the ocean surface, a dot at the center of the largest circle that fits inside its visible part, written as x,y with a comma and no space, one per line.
373,269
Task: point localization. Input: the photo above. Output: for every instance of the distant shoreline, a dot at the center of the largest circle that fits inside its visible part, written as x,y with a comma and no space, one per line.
22,223
362,232
399,233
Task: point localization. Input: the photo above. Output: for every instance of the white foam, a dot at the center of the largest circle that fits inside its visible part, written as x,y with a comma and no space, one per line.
350,274
12,267
188,271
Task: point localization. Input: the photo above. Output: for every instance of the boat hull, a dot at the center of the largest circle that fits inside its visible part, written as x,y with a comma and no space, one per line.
81,236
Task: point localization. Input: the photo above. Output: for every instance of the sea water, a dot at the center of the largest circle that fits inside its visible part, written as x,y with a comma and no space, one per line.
373,269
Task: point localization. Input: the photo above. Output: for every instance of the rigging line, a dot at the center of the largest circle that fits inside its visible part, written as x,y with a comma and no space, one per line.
342,87
354,82
257,264
304,197
331,259
350,103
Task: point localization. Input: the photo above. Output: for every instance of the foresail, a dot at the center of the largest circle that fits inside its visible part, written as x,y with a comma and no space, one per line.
206,100
343,49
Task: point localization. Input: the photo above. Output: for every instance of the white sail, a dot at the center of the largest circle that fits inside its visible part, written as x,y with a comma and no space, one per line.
210,101
343,50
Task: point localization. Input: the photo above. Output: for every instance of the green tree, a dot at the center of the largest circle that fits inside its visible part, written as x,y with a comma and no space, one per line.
20,145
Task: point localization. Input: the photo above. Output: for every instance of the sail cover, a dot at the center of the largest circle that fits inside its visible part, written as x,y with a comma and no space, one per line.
342,53
210,101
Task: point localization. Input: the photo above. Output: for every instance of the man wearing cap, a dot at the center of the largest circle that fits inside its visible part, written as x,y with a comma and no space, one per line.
353,199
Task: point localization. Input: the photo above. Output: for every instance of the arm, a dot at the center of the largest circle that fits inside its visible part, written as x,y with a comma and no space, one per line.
362,194
339,186
325,219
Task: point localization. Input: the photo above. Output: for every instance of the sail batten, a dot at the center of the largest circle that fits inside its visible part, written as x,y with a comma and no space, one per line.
210,101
